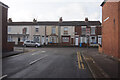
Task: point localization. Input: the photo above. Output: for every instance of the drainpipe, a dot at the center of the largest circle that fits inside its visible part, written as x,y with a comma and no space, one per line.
45,35
59,30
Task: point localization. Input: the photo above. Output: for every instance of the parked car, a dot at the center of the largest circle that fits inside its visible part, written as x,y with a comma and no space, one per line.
31,43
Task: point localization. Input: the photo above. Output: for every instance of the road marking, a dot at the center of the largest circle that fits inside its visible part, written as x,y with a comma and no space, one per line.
78,61
81,59
3,77
38,53
37,60
83,66
35,53
43,51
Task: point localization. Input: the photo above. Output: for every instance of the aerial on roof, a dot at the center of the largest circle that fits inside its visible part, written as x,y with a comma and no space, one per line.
4,5
64,23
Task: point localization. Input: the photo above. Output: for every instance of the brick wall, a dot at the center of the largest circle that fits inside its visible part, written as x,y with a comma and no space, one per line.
78,30
119,31
110,28
4,29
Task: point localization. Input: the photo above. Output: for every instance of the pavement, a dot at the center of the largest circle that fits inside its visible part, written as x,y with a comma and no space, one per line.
16,51
60,63
108,65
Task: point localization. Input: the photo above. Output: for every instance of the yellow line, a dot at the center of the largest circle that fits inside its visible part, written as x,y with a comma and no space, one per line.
81,62
81,59
83,66
78,61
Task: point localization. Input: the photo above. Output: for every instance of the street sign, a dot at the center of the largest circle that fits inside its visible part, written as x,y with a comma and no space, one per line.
87,31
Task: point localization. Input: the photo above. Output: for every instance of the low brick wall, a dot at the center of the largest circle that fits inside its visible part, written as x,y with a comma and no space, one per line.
10,46
100,49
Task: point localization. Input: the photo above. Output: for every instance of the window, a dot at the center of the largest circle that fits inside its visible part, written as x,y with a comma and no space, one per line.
65,39
53,30
93,30
36,38
24,30
65,30
9,29
83,39
83,30
93,39
24,38
36,29
9,38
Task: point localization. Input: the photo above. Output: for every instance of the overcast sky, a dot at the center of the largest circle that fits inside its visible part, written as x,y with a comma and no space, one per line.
51,10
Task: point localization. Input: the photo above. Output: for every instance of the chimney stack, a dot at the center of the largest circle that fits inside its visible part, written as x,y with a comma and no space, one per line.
60,20
86,19
34,20
10,20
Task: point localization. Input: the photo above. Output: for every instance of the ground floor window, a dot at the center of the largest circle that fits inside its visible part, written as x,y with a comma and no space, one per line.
65,39
93,39
53,39
83,39
25,38
36,39
9,38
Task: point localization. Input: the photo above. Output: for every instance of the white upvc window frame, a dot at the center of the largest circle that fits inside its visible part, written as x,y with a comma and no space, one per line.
92,30
91,40
82,30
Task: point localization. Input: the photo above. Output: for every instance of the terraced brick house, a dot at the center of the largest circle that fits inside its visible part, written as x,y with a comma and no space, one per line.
49,32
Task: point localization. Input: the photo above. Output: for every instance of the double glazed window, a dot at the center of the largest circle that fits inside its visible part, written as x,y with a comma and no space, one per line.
53,30
93,30
9,38
83,30
36,29
93,39
83,39
9,29
65,30
65,39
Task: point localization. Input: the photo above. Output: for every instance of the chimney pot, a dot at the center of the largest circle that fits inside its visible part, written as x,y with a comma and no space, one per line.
34,20
86,19
10,20
60,20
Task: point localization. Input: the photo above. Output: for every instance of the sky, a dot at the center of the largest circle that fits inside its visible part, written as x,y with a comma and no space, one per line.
52,10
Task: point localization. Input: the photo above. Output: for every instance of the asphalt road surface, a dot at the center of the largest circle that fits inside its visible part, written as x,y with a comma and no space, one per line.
47,63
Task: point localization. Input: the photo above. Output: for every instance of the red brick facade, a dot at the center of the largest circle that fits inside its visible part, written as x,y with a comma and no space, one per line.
98,31
5,45
4,29
111,28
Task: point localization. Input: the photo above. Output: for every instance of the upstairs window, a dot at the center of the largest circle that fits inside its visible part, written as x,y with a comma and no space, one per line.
83,30
36,29
65,30
53,30
24,30
9,29
93,30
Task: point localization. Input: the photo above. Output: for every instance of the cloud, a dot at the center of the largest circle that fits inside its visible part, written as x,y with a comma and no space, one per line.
49,10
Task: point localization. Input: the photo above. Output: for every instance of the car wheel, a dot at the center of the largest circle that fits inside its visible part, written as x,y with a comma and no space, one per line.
36,46
25,45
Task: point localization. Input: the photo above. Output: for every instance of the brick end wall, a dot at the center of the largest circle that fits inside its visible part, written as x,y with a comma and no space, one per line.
110,29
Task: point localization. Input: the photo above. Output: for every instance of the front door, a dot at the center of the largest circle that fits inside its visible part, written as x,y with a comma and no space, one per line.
76,41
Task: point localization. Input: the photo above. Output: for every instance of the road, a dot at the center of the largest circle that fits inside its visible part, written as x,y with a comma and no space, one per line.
47,63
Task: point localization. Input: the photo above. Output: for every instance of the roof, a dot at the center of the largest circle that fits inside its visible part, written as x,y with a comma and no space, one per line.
56,23
4,5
